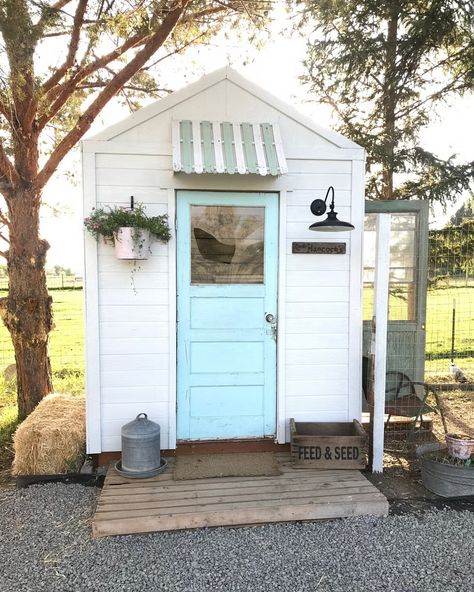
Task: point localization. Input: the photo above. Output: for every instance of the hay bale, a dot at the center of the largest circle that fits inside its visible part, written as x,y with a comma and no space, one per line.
52,438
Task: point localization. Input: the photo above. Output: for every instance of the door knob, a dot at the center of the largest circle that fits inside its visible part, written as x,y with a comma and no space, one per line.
270,318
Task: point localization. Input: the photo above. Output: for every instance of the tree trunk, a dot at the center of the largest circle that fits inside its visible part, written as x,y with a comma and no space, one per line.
27,311
389,104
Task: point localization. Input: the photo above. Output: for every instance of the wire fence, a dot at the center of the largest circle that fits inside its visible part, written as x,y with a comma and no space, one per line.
447,337
430,333
67,337
61,281
450,302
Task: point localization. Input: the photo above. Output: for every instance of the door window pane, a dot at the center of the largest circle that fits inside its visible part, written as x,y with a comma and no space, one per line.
227,244
402,292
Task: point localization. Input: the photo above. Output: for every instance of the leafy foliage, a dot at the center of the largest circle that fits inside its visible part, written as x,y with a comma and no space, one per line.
464,212
383,65
451,250
61,63
106,222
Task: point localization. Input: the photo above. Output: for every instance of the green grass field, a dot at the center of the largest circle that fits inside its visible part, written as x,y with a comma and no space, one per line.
67,338
66,349
439,312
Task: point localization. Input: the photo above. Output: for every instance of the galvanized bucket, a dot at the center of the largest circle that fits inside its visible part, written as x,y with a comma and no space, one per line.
442,479
141,449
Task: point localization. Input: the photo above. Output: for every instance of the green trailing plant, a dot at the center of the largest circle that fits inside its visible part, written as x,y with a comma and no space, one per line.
105,222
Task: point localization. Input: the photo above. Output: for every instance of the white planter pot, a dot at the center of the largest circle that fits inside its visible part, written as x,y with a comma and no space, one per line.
460,446
132,243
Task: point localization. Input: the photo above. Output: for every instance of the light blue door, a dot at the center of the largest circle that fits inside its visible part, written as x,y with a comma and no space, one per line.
227,295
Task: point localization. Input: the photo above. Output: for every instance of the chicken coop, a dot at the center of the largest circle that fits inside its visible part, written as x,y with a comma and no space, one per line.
247,317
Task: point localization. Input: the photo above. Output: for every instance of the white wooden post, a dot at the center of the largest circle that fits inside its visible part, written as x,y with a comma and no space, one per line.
379,343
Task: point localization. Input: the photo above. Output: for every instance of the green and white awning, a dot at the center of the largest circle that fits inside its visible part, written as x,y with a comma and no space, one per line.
225,147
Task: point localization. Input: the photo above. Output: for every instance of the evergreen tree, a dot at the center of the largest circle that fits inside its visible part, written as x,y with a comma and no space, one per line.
383,65
463,214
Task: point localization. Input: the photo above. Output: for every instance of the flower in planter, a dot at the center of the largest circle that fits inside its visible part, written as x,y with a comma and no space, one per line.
108,223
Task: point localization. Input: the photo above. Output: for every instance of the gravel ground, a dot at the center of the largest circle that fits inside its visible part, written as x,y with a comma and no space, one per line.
45,544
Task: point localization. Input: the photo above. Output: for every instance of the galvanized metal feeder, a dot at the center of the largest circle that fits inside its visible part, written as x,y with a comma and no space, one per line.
140,449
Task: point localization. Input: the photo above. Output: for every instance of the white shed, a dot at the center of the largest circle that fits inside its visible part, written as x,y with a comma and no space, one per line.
231,328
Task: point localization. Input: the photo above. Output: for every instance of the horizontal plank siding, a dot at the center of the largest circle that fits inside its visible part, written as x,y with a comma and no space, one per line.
317,300
133,302
133,328
136,308
133,378
125,394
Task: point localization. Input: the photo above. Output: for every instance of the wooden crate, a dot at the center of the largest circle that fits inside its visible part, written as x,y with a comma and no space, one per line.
332,445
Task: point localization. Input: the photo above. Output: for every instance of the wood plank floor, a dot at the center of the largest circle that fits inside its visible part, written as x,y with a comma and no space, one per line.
128,506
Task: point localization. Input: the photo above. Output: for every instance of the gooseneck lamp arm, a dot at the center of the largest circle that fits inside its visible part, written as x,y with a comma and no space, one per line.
318,206
331,224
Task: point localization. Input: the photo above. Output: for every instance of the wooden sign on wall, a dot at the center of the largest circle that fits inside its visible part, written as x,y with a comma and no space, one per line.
319,248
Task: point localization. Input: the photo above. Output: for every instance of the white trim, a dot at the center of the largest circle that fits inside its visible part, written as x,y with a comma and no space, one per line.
379,348
153,148
137,147
207,82
168,102
172,323
281,339
176,145
239,150
279,149
216,132
257,137
91,316
197,148
355,292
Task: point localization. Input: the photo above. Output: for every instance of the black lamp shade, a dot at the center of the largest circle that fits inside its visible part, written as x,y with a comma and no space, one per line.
332,224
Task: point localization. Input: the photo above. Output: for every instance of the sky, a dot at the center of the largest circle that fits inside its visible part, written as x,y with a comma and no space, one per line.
277,68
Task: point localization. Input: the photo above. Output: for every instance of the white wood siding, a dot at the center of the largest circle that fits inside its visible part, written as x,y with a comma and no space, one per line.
319,332
133,304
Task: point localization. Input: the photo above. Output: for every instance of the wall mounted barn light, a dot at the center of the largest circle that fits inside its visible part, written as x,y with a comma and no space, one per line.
331,224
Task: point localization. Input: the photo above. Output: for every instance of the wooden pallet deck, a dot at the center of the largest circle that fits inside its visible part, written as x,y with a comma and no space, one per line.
128,506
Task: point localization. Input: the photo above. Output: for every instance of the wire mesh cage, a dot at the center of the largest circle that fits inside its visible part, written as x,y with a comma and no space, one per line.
430,336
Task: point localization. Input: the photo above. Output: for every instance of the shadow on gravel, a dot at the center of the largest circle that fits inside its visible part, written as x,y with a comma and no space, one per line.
399,507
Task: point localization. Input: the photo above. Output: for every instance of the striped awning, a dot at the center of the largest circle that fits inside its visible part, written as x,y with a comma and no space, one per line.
224,147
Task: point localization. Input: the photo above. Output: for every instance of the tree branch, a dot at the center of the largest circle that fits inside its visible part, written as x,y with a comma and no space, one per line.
133,87
60,4
61,93
73,46
85,121
4,220
8,174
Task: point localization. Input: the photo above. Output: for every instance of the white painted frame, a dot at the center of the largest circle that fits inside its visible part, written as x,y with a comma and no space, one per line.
379,345
172,304
91,315
281,321
355,293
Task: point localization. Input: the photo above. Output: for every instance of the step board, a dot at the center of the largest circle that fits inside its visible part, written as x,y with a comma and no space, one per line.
129,506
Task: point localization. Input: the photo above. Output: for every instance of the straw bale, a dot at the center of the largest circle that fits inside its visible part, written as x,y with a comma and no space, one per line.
52,438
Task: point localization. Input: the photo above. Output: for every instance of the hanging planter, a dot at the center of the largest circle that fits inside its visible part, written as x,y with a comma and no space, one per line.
131,230
132,243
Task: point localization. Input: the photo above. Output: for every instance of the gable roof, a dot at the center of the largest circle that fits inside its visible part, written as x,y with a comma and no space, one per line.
206,82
